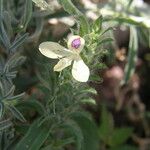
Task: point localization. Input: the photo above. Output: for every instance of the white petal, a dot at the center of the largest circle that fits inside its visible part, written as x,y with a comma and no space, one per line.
63,63
80,44
54,50
80,71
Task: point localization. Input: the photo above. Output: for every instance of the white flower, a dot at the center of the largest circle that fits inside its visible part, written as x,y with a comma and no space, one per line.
80,70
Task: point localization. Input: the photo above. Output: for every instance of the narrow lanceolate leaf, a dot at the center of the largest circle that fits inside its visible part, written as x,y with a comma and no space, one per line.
1,6
14,61
97,25
75,130
89,131
3,34
105,31
1,110
32,104
34,138
18,41
27,15
16,97
16,113
5,124
10,92
105,40
8,23
132,56
81,19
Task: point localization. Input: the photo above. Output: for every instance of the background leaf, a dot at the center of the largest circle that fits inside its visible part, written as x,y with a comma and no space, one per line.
132,55
119,136
125,147
106,125
34,138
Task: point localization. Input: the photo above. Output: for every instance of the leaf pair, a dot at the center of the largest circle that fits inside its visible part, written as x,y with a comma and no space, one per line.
113,137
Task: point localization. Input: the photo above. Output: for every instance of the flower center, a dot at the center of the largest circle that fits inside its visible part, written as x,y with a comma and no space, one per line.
76,43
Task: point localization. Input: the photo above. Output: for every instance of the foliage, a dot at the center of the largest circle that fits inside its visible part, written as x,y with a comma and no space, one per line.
113,137
41,109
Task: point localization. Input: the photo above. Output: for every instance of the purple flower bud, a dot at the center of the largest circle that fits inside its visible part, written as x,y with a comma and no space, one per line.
76,43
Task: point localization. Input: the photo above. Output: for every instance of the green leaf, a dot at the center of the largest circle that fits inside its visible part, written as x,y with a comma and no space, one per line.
88,101
8,23
1,110
34,138
15,61
5,124
120,136
32,104
16,97
16,113
97,24
18,41
72,128
26,15
81,19
88,90
22,128
89,131
105,40
50,147
105,31
132,56
107,125
95,78
63,142
124,147
3,34
144,36
1,6
10,92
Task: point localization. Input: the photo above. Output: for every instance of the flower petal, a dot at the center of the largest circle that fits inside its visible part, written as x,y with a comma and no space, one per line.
54,50
80,71
63,63
76,43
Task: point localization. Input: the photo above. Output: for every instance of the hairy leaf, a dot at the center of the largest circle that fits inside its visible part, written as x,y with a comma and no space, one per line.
26,15
34,138
16,113
18,41
89,131
5,124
